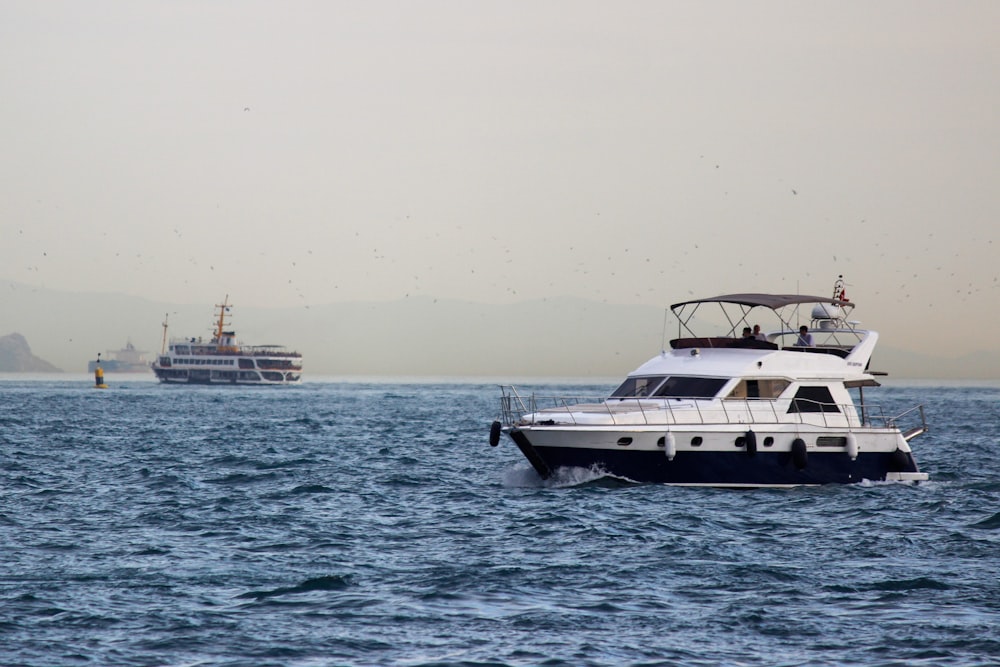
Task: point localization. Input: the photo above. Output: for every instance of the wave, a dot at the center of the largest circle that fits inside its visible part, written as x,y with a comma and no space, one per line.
327,583
914,584
992,523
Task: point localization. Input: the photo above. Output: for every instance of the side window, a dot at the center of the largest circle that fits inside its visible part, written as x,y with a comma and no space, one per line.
739,392
763,388
813,399
745,389
773,388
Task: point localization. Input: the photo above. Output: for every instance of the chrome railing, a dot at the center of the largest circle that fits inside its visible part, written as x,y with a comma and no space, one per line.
516,409
911,422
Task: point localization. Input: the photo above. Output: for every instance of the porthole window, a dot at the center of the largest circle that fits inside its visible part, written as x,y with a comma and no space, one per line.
624,442
768,441
696,441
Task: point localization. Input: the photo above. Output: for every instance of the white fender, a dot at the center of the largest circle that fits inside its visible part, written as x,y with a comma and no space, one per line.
852,446
670,445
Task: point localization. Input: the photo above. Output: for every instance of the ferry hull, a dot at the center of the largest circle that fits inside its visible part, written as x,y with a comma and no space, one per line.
736,468
181,376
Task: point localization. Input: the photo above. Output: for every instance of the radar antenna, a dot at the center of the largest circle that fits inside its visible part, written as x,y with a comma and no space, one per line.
223,309
839,292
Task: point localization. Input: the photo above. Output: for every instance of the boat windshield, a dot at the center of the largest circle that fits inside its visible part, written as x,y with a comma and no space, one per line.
660,386
634,387
690,387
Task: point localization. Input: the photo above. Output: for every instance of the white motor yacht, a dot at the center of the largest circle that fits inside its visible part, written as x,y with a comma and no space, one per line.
732,411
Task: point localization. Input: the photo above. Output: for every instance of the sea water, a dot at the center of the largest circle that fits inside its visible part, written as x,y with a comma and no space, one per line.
370,523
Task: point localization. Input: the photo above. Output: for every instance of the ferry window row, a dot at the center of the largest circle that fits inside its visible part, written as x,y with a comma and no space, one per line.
205,362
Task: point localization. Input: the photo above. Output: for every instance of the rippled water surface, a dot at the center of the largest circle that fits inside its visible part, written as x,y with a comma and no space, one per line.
371,524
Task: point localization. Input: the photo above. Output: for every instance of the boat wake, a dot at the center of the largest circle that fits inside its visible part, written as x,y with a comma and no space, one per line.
520,476
868,483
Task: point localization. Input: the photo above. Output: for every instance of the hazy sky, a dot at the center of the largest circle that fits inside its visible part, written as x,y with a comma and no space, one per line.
633,152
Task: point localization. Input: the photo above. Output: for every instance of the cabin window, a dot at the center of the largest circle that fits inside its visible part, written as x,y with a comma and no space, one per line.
831,441
637,386
813,399
690,387
759,388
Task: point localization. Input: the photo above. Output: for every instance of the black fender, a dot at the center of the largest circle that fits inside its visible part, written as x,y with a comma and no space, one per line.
800,457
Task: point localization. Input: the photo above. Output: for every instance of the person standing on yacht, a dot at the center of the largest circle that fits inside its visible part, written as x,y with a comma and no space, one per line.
805,338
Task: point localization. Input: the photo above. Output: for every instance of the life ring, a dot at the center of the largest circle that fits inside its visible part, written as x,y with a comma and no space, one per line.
800,457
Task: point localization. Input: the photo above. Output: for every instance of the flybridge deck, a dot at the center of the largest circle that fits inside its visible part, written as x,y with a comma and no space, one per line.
829,322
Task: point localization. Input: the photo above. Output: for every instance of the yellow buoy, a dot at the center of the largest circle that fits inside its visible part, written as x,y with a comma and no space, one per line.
99,376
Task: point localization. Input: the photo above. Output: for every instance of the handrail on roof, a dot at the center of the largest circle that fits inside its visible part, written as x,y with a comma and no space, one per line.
772,301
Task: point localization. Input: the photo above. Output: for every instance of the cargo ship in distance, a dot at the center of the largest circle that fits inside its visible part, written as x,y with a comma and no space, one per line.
126,360
224,361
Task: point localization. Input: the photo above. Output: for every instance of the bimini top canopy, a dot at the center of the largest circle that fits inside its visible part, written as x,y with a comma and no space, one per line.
828,313
772,301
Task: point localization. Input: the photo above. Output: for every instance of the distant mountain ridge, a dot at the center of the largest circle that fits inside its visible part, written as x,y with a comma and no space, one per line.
16,357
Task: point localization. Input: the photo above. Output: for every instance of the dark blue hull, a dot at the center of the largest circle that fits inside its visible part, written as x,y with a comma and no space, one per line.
715,468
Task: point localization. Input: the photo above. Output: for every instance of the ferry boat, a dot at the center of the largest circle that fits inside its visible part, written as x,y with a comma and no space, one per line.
126,360
732,411
223,360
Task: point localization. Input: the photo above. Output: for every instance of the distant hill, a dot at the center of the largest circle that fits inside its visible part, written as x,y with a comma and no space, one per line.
16,357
